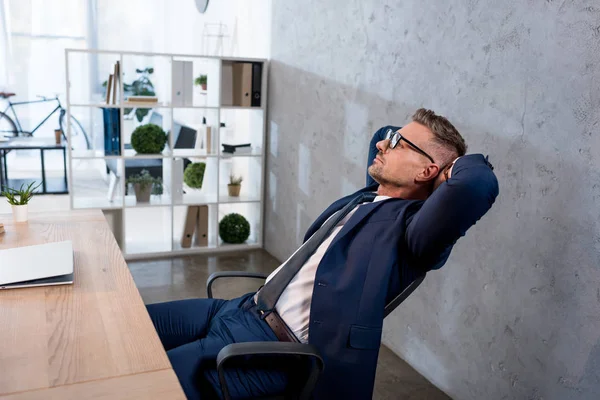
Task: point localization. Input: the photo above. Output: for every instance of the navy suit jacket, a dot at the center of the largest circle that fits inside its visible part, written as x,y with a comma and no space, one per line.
380,250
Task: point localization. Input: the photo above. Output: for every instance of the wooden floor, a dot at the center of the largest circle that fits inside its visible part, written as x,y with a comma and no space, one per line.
185,277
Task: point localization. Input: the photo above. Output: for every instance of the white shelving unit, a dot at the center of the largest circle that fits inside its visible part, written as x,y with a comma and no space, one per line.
154,229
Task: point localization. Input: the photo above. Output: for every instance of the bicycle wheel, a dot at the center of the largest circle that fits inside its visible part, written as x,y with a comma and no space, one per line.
79,138
7,126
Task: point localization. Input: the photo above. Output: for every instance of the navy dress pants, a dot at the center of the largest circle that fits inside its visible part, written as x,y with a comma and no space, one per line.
194,331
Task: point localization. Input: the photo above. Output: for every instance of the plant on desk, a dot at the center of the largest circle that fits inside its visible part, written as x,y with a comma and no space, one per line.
144,185
235,184
19,199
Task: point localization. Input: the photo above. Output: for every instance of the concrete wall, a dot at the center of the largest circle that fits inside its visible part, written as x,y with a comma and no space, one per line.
515,313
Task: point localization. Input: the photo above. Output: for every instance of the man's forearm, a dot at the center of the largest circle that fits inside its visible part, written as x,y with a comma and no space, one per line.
453,208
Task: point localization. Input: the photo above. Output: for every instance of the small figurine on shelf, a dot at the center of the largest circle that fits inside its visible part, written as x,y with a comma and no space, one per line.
19,199
235,184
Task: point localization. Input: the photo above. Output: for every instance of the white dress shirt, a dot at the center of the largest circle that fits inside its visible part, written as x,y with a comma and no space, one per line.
294,304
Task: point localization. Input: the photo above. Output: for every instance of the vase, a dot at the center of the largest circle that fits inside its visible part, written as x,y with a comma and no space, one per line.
234,190
142,195
20,213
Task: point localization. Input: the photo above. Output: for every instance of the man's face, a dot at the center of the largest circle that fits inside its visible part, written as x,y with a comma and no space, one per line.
402,165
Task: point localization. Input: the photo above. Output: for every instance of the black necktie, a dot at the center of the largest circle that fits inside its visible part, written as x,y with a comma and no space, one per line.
269,294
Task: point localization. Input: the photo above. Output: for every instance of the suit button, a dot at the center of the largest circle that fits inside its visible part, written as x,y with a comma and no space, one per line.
321,284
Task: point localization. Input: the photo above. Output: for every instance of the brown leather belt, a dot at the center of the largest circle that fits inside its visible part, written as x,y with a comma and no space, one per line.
281,330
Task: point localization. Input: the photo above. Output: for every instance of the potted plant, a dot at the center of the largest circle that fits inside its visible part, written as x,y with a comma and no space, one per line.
143,184
193,176
19,205
148,139
201,81
235,184
234,228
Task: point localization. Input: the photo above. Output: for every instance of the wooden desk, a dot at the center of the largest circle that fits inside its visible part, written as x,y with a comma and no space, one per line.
92,339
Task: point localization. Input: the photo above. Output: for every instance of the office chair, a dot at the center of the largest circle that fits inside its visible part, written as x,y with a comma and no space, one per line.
306,356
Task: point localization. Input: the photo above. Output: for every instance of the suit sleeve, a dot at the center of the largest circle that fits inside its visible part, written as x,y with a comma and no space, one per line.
454,207
378,136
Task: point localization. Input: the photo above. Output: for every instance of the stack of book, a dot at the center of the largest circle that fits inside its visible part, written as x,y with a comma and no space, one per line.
112,87
237,148
141,100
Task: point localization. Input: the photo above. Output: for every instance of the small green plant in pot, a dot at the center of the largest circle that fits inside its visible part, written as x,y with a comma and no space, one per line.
148,139
143,185
201,81
234,186
19,199
234,228
193,176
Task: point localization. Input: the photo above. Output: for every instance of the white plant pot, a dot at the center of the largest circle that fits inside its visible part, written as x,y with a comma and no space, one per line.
20,213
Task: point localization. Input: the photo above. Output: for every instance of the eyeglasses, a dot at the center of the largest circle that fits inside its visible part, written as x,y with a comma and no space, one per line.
396,137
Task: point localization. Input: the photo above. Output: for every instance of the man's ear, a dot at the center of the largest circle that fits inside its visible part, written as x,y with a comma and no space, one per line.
428,174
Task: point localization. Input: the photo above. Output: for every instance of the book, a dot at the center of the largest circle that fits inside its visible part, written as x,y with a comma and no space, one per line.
191,220
1,228
202,226
142,99
236,148
112,131
115,83
109,85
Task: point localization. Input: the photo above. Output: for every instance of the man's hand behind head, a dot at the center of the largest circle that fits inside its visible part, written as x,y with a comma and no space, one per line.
444,175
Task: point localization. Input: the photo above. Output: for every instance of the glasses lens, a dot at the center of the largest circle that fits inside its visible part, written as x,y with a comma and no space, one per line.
395,140
388,134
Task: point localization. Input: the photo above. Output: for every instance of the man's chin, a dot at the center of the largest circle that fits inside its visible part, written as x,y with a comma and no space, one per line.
374,173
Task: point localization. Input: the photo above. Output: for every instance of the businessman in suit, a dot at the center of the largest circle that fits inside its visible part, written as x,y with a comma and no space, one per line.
422,194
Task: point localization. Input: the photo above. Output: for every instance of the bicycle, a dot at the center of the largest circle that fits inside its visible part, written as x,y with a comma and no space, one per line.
10,128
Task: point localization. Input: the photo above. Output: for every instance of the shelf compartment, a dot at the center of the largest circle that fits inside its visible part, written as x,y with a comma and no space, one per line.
193,137
185,195
249,168
250,211
96,183
147,230
197,224
88,78
160,77
242,126
185,92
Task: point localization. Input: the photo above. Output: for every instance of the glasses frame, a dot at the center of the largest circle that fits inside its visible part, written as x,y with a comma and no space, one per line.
395,138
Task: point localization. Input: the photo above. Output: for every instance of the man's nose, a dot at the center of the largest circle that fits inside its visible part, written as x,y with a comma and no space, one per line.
383,145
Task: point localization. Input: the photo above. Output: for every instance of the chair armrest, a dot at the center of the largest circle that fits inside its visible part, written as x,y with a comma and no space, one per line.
272,348
230,274
403,295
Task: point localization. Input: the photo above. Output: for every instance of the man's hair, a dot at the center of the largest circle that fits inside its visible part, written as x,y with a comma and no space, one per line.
445,134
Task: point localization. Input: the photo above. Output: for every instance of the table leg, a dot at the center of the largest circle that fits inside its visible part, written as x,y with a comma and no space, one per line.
65,168
4,153
1,170
43,172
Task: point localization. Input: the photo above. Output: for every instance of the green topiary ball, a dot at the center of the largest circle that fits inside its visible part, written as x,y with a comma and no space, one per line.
234,228
194,175
148,139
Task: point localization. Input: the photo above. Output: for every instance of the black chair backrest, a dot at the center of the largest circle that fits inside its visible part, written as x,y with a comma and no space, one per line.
391,306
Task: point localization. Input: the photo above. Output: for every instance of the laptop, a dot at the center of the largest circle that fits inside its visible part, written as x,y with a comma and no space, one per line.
40,265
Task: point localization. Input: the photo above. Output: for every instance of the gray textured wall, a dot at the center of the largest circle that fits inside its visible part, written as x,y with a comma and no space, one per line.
515,313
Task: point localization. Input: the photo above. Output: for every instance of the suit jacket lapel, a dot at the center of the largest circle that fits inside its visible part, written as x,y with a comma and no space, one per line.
338,205
358,216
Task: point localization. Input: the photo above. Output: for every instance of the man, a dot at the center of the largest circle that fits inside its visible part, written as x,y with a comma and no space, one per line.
422,195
